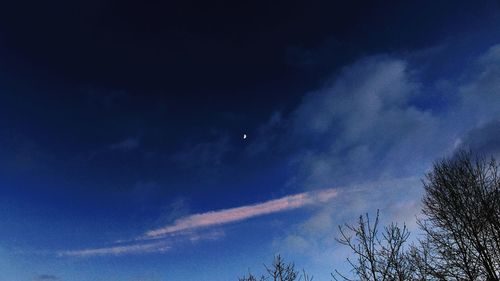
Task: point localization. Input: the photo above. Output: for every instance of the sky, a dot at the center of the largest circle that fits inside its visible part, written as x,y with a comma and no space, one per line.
122,154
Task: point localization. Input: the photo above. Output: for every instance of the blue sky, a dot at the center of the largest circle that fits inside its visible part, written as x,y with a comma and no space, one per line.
121,161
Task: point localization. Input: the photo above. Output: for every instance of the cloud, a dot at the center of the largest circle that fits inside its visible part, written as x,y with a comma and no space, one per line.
366,126
127,144
480,92
364,130
478,111
46,277
377,119
242,213
363,125
185,227
118,250
397,199
484,140
213,235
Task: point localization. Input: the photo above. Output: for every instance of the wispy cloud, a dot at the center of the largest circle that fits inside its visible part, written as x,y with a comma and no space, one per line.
119,250
213,235
242,213
185,227
379,124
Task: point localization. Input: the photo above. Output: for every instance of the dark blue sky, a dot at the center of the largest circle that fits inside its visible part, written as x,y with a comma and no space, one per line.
121,123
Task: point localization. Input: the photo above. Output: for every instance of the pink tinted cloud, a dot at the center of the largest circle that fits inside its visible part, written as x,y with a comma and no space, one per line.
118,250
185,225
220,217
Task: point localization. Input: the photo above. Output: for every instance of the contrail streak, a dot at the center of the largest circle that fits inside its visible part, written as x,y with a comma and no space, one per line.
242,213
185,225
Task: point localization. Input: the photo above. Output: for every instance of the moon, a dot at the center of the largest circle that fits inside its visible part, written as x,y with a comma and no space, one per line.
244,136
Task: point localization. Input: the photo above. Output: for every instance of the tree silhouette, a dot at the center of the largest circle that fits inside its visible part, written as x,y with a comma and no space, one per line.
460,226
279,270
462,219
379,256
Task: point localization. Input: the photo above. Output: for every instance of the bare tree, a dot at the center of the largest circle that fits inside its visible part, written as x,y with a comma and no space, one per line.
279,270
379,257
461,227
251,277
462,220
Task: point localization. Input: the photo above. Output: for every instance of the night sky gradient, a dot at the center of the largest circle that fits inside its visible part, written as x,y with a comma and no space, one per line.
121,128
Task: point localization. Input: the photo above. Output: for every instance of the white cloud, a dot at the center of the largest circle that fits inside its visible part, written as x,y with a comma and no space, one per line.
398,200
364,126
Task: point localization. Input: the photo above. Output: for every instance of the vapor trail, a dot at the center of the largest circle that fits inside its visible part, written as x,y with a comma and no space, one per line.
242,213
